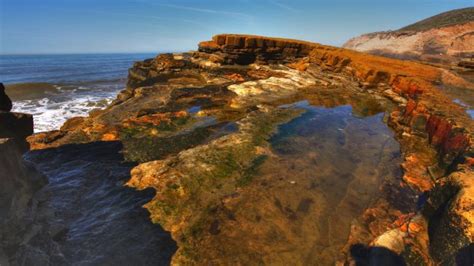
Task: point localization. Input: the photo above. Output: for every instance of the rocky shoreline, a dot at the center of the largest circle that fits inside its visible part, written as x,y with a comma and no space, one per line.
200,124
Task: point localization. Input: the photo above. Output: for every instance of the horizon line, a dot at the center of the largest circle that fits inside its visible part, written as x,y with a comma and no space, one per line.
91,53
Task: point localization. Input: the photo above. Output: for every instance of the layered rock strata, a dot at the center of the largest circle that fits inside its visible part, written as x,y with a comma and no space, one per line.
200,125
446,38
246,49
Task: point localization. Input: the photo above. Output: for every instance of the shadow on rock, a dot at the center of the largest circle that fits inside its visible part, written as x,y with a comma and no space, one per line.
96,218
465,256
364,255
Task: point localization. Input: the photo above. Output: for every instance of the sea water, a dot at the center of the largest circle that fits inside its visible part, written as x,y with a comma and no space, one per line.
54,88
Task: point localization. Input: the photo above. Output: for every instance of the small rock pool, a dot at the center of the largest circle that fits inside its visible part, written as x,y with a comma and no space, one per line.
326,167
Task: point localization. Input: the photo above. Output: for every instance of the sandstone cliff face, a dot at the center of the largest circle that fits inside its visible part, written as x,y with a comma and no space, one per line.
445,43
244,50
200,125
19,182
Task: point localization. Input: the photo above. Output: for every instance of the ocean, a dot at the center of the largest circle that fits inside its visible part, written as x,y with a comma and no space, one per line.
54,88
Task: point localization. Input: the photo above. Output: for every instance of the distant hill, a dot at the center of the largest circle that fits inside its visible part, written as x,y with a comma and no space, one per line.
450,18
444,38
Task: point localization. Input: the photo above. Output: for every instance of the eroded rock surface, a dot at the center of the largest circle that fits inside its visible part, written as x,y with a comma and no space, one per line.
445,38
226,136
246,49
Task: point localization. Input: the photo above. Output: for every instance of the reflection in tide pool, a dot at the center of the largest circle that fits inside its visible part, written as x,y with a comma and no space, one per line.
327,166
336,163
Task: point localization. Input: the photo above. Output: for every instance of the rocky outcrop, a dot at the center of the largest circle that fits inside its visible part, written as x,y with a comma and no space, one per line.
20,180
16,126
433,40
467,64
5,102
450,209
246,49
200,125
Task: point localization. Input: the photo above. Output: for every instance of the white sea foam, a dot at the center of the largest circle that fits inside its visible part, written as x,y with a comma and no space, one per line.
56,87
50,113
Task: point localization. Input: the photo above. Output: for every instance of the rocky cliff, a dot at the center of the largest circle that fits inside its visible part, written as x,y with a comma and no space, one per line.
5,102
202,127
245,50
445,38
20,180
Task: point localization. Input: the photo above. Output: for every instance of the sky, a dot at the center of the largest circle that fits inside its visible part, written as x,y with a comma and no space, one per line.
130,26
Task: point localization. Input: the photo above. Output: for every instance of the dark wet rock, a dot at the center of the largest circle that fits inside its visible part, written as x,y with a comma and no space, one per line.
20,181
16,126
13,166
465,255
5,102
364,256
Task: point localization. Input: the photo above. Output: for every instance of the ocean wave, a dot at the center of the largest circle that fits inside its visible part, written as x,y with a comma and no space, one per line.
99,82
30,90
37,90
52,104
50,115
56,87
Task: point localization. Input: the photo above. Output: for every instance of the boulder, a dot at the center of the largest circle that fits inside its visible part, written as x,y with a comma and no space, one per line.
5,102
17,126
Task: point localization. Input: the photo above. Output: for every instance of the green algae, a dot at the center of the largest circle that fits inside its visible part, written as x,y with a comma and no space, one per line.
162,129
195,181
144,142
149,148
251,171
197,187
231,186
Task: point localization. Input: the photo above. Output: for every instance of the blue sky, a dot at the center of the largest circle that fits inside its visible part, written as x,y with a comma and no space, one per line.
86,26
